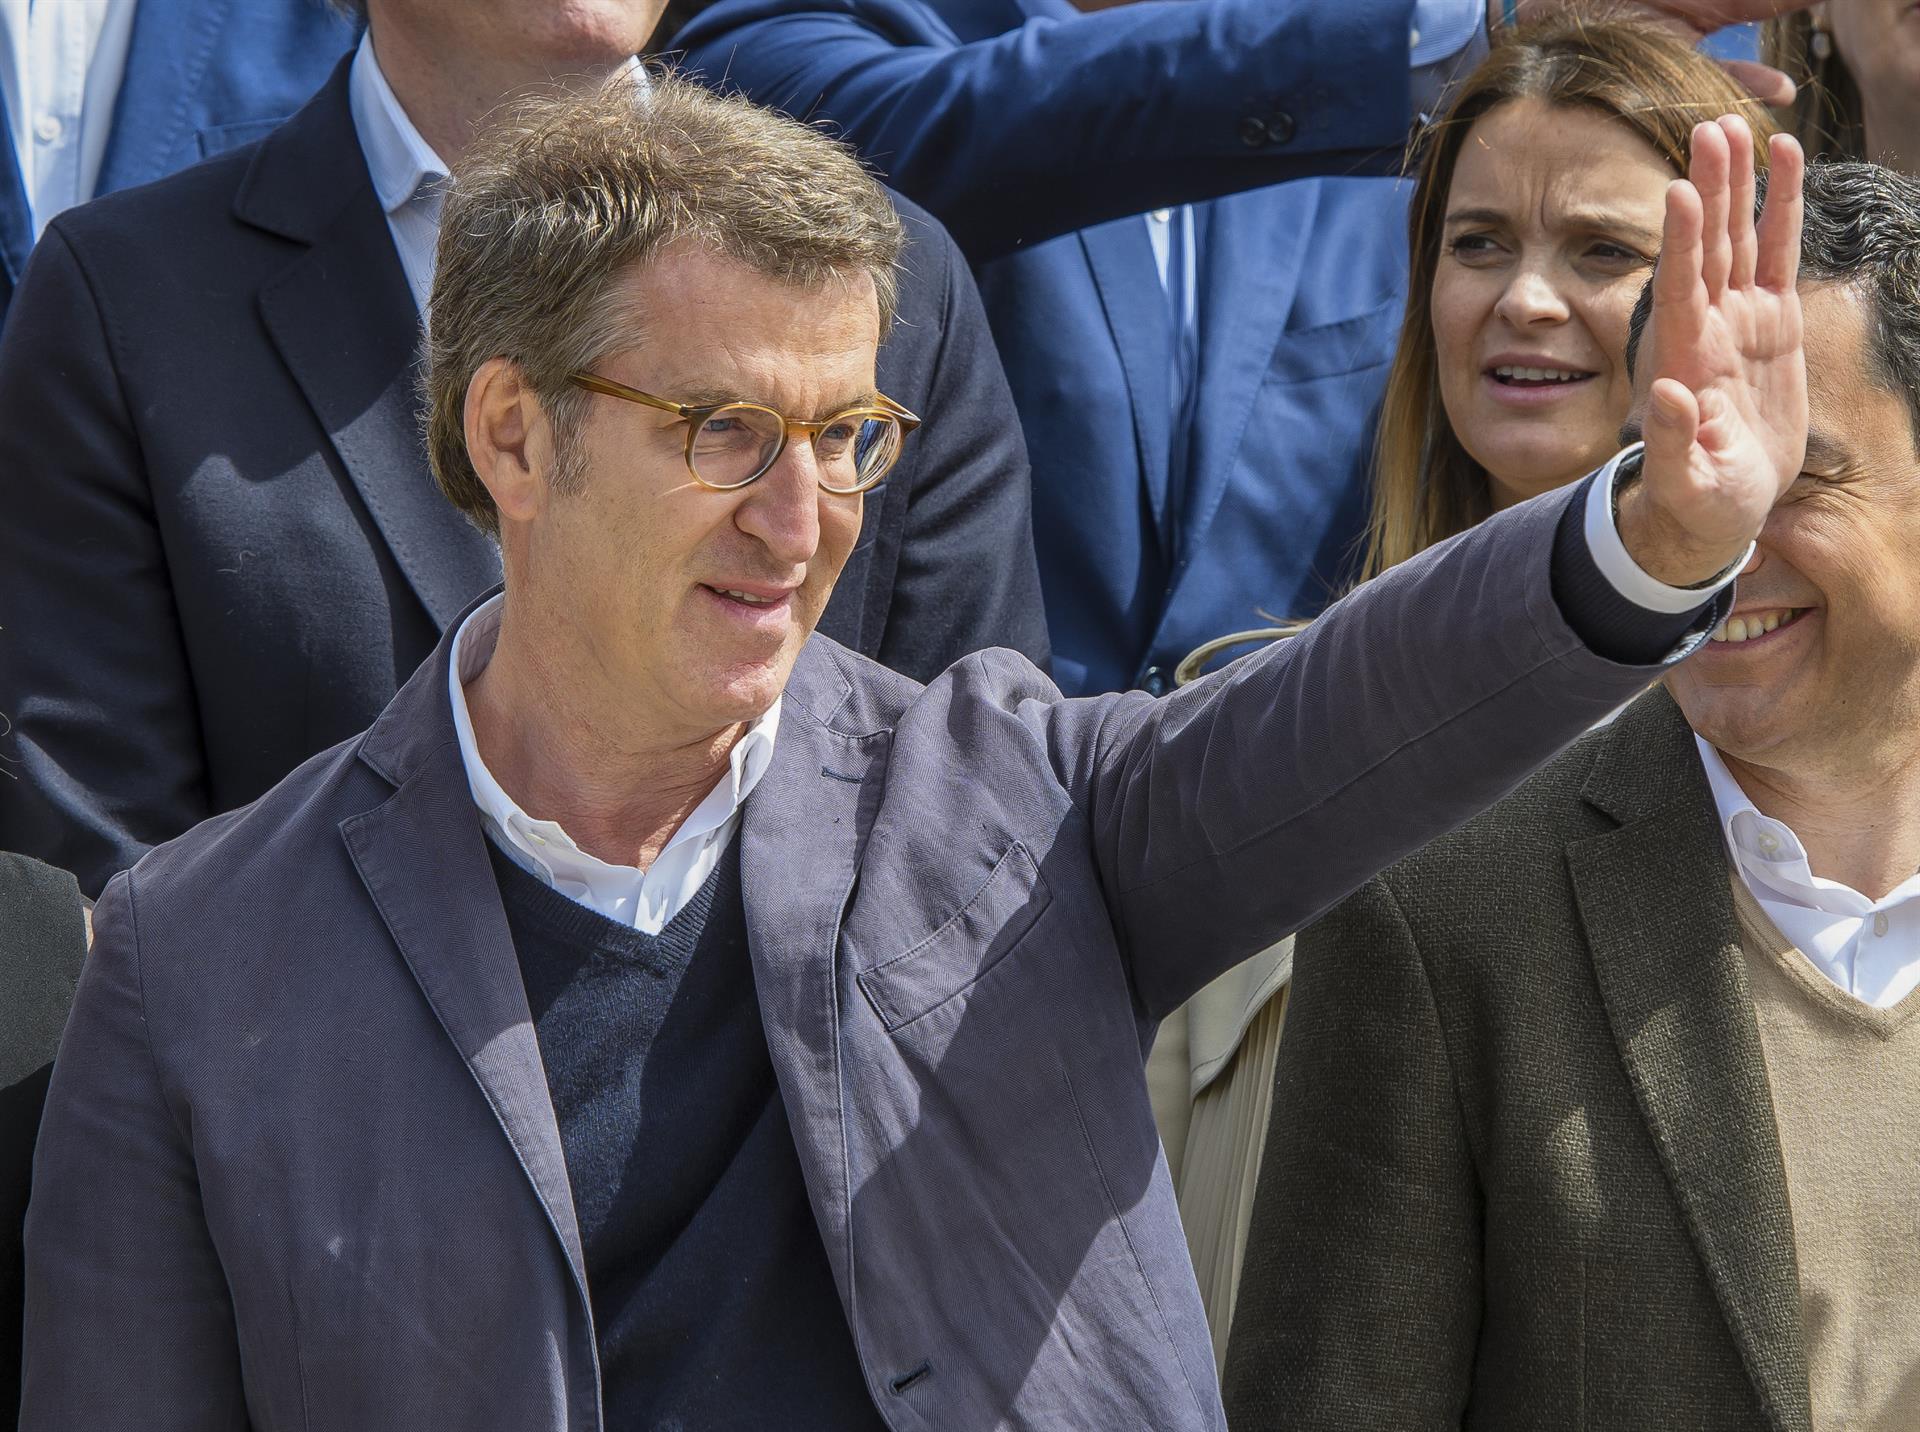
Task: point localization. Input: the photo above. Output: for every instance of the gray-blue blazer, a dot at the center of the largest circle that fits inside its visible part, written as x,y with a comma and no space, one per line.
299,1169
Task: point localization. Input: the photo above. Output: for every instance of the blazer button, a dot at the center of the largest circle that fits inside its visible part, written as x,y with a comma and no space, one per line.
1257,133
1280,127
1253,132
1153,681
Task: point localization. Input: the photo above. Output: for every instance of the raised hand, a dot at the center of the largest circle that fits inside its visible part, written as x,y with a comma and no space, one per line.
1725,420
1694,20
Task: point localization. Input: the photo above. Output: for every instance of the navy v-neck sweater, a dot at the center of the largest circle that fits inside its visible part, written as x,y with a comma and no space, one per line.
713,1304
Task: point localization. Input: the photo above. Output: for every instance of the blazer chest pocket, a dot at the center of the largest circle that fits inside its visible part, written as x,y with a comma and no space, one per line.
976,938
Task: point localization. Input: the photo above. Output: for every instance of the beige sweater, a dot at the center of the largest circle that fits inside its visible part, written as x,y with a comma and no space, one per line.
1846,1095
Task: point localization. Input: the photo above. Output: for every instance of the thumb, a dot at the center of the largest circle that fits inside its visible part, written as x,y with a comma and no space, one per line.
1672,424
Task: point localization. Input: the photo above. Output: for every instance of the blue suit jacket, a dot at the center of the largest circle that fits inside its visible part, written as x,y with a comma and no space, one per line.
1019,121
203,76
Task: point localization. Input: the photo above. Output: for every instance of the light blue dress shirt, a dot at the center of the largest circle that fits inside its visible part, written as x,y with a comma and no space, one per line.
61,63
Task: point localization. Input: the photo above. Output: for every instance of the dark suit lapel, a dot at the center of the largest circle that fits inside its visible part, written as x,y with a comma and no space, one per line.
1656,901
343,318
422,856
1249,267
1121,256
802,834
167,57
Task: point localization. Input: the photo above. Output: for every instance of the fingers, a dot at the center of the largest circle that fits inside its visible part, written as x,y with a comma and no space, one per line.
1708,170
1677,293
1740,236
1672,423
1777,258
1763,82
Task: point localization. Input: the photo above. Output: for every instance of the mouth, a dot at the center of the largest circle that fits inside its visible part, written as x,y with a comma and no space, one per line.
1756,625
1524,385
756,606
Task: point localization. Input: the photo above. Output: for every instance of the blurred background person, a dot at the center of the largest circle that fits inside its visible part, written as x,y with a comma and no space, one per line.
42,941
1534,222
1858,65
105,94
1198,381
1603,1111
218,503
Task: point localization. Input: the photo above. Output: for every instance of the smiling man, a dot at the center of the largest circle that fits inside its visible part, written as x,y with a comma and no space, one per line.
1605,1111
663,1017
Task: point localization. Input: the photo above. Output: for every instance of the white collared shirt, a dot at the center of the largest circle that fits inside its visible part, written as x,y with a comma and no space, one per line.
1868,948
644,899
61,63
409,179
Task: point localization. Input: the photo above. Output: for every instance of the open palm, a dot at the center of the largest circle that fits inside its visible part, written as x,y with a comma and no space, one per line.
1726,420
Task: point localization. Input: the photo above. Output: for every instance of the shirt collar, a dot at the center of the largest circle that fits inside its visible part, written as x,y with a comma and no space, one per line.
1770,856
400,161
554,850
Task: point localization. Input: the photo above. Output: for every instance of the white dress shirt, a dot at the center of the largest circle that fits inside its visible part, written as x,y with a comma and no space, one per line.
61,63
409,179
644,899
1868,948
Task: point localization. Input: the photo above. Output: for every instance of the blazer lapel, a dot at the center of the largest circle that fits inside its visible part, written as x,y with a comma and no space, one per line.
343,319
1121,257
1251,249
172,43
1656,901
802,834
422,856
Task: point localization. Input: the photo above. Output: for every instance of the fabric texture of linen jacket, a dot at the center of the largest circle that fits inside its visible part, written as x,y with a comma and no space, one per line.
42,941
338,1200
1039,136
1523,1169
202,77
224,550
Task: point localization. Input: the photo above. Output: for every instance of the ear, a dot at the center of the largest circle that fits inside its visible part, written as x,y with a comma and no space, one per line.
509,439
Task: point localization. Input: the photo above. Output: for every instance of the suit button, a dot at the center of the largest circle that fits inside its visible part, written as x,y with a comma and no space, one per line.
1257,133
1153,681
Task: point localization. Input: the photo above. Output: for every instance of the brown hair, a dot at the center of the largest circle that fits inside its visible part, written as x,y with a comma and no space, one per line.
562,194
1827,116
1425,486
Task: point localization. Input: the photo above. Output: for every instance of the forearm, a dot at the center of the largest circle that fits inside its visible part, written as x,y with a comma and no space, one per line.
1238,809
1062,124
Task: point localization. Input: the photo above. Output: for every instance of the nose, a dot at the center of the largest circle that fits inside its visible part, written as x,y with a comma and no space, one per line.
1530,299
782,508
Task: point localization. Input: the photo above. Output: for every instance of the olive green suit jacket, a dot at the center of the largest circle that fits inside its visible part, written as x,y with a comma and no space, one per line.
42,940
1523,1169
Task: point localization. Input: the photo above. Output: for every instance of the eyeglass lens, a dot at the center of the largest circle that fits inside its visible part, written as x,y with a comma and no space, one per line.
739,442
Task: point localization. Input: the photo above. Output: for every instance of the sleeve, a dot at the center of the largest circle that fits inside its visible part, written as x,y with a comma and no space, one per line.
1360,1300
128,1318
967,577
1240,808
1058,124
97,713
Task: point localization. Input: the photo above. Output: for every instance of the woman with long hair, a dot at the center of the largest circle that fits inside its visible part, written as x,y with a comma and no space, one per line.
1534,224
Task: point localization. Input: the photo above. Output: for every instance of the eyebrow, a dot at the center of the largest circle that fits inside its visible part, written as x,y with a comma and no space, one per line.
1590,219
713,397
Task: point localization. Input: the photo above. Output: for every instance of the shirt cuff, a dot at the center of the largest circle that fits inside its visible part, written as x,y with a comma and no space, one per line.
1616,564
1448,38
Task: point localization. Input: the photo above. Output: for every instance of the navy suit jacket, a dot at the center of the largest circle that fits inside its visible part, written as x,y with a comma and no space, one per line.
223,550
202,77
1019,120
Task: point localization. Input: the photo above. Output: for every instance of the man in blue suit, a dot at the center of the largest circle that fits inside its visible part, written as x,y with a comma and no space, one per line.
106,94
1198,386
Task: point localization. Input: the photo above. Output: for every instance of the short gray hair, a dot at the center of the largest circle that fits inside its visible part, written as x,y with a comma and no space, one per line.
561,194
1863,231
